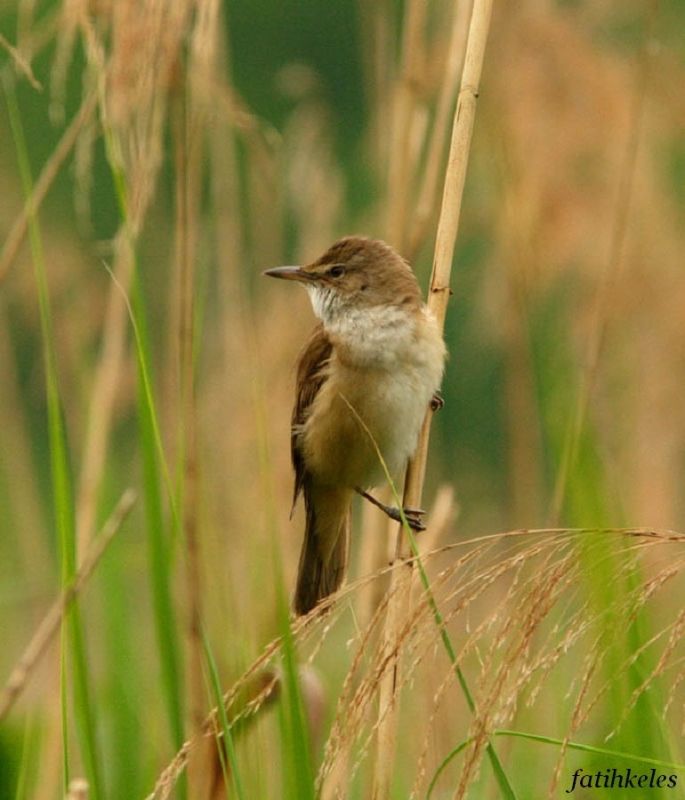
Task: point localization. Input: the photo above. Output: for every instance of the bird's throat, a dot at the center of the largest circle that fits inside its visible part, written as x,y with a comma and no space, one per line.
375,337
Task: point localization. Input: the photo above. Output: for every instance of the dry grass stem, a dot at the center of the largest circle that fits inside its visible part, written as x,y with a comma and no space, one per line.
400,169
430,178
455,176
191,121
52,620
442,515
78,790
18,231
21,63
437,301
376,29
190,149
510,655
375,543
104,392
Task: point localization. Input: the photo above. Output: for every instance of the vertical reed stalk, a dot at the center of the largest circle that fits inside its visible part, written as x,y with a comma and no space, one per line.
187,172
191,123
404,96
103,397
376,31
439,292
429,187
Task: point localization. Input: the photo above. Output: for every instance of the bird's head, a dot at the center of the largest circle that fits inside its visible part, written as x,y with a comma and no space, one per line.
355,273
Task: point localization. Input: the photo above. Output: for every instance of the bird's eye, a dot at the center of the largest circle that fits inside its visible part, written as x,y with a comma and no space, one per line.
336,271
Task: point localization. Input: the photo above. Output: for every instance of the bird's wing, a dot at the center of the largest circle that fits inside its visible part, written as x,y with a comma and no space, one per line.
311,373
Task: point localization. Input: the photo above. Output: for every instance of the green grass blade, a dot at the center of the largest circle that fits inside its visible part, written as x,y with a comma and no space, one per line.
296,746
534,737
160,544
442,766
506,789
228,745
587,748
503,781
611,578
123,677
64,704
61,481
29,759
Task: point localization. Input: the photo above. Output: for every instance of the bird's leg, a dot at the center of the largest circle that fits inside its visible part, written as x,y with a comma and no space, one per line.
437,401
412,515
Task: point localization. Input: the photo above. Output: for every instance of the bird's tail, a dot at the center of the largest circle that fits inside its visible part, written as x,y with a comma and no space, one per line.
323,558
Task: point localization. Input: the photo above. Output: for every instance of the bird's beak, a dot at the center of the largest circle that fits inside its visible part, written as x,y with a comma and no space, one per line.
289,274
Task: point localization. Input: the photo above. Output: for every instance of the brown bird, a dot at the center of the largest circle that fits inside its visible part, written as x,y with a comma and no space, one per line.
367,375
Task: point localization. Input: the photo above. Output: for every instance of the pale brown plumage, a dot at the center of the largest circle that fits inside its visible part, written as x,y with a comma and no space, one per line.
376,357
317,577
310,375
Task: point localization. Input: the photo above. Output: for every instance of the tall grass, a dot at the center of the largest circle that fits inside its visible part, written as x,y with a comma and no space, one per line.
198,152
74,667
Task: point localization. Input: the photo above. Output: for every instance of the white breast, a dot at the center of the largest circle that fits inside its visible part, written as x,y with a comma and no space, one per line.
386,364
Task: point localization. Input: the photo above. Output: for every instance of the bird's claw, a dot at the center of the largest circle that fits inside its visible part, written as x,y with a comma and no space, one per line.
413,516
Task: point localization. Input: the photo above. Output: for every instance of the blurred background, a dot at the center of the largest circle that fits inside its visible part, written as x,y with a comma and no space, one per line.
181,148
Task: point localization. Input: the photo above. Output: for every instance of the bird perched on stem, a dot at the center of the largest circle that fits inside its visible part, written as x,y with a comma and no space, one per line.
365,380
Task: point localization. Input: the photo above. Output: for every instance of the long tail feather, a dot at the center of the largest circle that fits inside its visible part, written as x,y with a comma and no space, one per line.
324,554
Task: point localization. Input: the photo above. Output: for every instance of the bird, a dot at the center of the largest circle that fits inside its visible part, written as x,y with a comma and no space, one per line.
365,380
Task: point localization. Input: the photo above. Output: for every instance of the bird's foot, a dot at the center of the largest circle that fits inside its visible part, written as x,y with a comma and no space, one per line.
414,516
